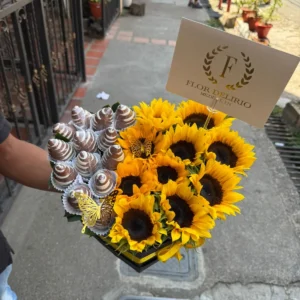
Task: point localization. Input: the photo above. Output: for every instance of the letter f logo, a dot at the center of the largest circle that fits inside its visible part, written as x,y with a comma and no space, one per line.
228,66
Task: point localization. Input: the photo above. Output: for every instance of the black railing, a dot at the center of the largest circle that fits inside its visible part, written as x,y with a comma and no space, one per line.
41,66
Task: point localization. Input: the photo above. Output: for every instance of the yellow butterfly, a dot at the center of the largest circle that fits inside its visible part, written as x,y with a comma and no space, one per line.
141,148
92,212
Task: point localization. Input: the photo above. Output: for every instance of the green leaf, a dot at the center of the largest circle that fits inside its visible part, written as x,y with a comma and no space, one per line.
73,218
60,137
192,169
67,214
89,232
115,106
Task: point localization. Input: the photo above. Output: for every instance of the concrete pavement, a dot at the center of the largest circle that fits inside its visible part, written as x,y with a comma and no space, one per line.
255,255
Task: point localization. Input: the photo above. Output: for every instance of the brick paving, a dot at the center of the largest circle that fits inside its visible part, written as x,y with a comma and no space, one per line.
94,51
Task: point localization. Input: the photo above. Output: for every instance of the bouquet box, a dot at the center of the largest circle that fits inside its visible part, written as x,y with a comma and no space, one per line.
137,261
148,176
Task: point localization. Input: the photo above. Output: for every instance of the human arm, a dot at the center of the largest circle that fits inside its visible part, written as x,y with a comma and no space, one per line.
21,161
24,163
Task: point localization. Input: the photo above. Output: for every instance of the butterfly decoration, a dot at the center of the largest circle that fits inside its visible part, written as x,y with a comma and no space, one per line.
92,212
107,208
141,148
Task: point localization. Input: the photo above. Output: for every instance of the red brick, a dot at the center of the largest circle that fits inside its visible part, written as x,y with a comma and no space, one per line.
94,54
80,93
126,33
172,43
92,61
141,40
90,70
73,103
158,42
124,38
99,48
110,36
103,43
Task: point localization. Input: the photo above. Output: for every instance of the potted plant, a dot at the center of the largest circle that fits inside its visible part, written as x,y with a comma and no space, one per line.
263,27
253,19
96,9
247,9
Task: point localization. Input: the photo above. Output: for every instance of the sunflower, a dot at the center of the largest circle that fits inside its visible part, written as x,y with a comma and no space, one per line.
228,148
216,183
190,216
186,142
130,178
163,169
137,223
192,112
139,140
160,113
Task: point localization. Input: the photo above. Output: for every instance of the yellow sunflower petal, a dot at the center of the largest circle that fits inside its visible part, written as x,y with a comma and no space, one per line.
232,150
143,207
139,140
196,210
126,171
184,142
185,237
220,181
192,112
175,234
160,113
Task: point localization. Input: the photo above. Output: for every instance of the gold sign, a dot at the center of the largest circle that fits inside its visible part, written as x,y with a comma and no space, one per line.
246,78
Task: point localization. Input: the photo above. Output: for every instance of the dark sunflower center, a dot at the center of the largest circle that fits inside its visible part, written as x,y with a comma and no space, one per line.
127,183
138,224
199,119
211,190
224,153
166,173
184,150
183,214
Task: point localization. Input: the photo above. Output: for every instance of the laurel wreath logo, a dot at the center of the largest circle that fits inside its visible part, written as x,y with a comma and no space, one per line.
208,60
246,76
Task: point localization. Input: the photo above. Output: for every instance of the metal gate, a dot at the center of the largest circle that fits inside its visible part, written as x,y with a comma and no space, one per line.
41,65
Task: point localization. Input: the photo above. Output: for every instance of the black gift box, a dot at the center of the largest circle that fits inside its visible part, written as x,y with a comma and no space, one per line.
138,261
